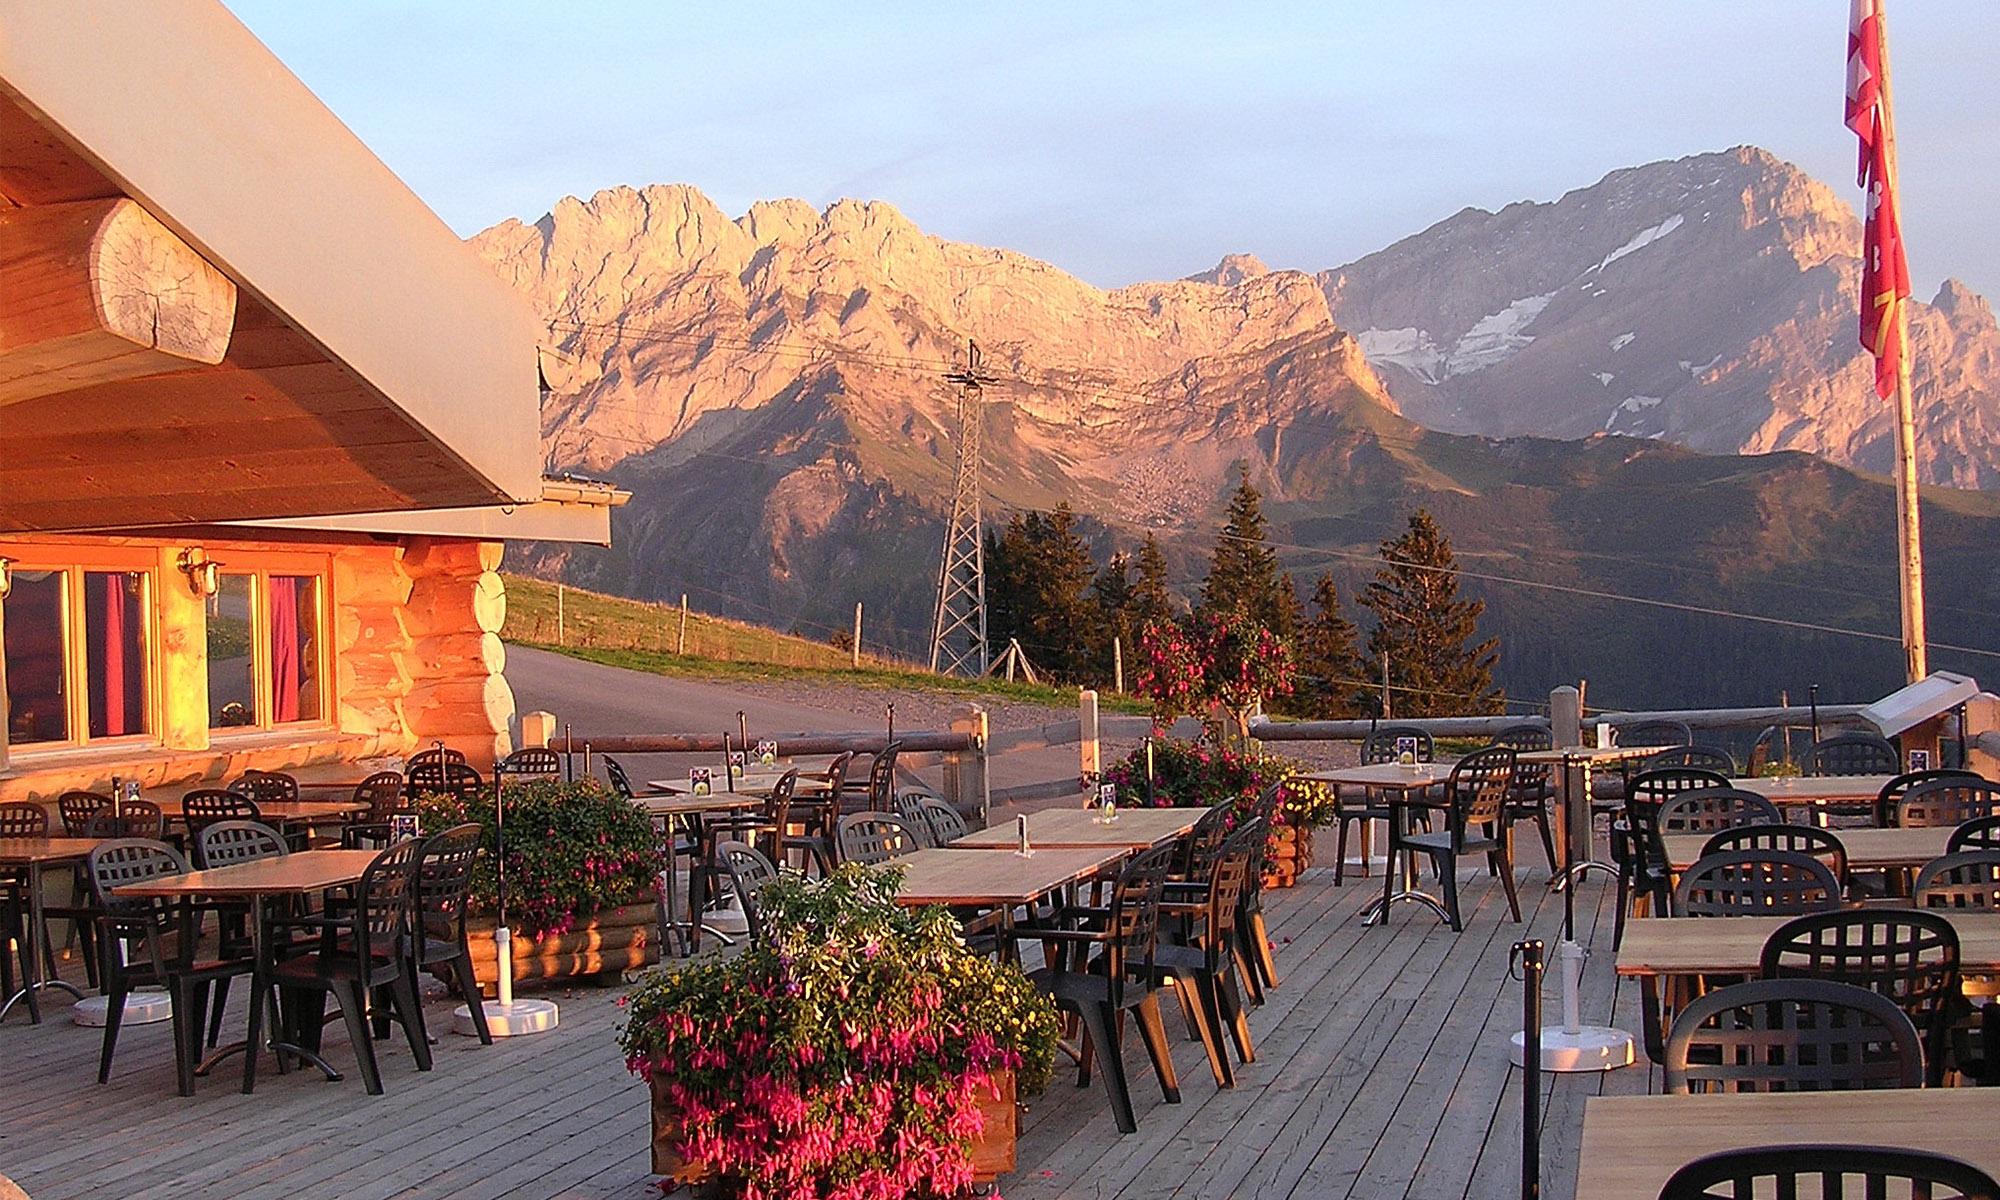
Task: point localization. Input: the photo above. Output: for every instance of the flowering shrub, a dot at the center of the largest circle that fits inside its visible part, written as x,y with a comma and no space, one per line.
573,849
842,1059
1198,774
1224,658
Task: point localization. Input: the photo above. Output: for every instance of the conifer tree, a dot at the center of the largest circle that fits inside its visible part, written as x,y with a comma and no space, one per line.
1151,600
1428,632
1329,656
1243,572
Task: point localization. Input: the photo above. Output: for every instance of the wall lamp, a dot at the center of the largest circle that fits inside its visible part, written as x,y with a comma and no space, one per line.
6,576
204,574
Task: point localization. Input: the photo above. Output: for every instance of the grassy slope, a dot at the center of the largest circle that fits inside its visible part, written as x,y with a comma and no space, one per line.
630,633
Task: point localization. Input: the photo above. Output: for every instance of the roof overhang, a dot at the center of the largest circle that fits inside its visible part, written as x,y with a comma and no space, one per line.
374,363
569,511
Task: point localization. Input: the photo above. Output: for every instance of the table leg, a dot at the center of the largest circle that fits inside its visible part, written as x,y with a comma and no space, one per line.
40,970
261,998
1573,798
1377,911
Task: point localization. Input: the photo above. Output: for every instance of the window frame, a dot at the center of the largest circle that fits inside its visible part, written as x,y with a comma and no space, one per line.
259,566
124,560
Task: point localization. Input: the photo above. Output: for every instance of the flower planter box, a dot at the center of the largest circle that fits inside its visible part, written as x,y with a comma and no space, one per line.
992,1151
616,939
1291,853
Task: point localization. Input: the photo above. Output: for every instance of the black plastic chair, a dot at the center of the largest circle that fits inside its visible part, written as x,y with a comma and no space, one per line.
1940,803
1965,879
150,942
1822,844
1756,883
882,779
1852,753
206,806
1252,937
443,778
131,819
910,811
1909,956
1889,800
1475,816
437,754
1534,788
1205,960
933,821
365,948
529,762
1706,758
1707,810
1980,833
1380,744
1792,1035
1636,848
874,837
18,819
1349,810
266,787
387,797
1656,733
1122,977
225,843
76,809
748,873
1841,1170
440,899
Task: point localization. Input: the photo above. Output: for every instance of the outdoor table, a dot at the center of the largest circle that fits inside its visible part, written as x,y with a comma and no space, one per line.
755,784
689,810
1405,785
1574,765
1867,849
33,854
302,874
997,880
1808,791
1066,828
281,812
1631,1144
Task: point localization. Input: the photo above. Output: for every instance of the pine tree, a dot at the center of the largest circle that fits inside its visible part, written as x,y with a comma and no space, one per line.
1427,631
1151,600
1329,657
1111,594
1243,572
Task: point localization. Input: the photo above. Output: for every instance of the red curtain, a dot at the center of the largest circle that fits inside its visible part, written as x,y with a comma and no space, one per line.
285,648
114,656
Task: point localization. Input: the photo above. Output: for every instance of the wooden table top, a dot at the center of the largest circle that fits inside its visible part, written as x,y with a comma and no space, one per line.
1066,828
1814,789
755,782
1735,945
282,811
995,878
22,851
305,872
683,806
1589,754
1394,777
1631,1144
1867,849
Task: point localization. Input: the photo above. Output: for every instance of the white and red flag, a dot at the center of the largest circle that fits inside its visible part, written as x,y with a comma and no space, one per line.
1885,274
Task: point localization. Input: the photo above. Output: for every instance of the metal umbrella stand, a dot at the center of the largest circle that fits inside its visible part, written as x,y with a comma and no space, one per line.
505,1016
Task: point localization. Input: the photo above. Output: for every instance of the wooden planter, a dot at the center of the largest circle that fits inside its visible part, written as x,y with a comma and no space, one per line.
1291,853
992,1151
616,939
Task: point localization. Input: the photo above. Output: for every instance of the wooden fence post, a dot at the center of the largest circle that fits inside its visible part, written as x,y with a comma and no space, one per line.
1566,716
537,728
1117,666
1090,762
966,785
559,615
681,643
857,634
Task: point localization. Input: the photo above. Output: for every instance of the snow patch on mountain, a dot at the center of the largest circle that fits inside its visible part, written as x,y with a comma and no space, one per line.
1641,240
1494,339
1621,341
1629,407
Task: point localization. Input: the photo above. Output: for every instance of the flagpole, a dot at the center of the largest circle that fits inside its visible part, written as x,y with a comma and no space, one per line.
1909,535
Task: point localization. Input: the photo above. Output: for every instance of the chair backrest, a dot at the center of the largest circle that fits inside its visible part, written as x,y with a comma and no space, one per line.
1531,780
76,809
206,806
437,778
836,773
1228,878
1195,851
777,809
1841,1170
1967,879
1478,788
1980,833
1889,800
1792,1035
266,787
443,881
383,793
436,754
873,837
910,810
749,872
1656,733
882,778
132,819
946,823
1657,785
1939,803
1135,919
222,843
1380,744
1822,844
1708,758
382,901
1756,883
1852,753
1705,810
23,818
119,861
1907,955
621,782
529,762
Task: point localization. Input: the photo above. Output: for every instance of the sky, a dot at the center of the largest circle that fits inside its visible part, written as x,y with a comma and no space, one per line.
1134,141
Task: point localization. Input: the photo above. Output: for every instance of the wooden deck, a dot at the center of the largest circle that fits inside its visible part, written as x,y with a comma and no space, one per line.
1381,1072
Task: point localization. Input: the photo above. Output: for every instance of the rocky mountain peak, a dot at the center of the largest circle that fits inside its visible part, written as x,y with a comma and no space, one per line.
1960,303
1232,270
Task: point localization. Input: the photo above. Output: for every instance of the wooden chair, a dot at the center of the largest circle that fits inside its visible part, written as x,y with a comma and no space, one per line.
1829,1172
874,837
1751,883
1475,816
1909,956
1792,1035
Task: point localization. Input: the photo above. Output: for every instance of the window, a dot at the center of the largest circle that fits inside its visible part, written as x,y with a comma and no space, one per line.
78,652
265,650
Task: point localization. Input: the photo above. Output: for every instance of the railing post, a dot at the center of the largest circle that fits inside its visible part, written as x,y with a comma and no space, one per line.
966,785
537,728
1566,716
1090,765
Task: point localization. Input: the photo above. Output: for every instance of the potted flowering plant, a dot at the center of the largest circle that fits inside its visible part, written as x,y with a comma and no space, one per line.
582,866
861,1051
1202,774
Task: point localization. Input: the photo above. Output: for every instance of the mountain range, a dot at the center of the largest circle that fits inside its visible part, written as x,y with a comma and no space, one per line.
771,389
